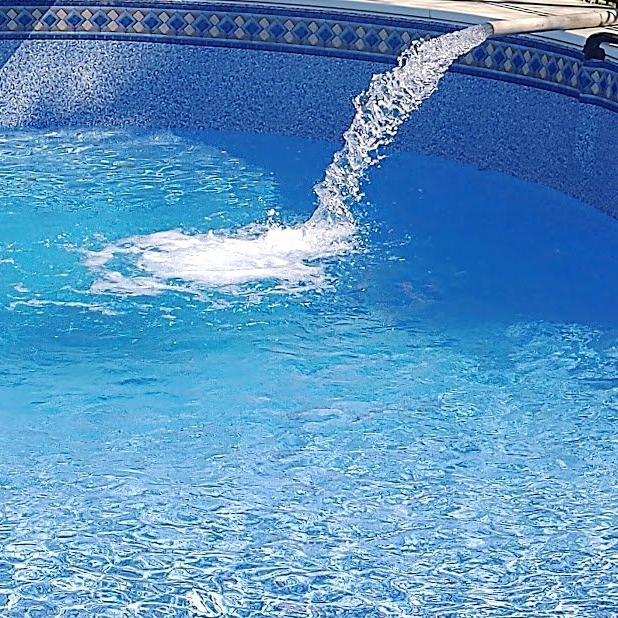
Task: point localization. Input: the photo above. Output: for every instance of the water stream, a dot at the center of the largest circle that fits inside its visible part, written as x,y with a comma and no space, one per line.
380,111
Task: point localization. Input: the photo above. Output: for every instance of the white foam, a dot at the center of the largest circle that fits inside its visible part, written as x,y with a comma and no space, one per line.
290,257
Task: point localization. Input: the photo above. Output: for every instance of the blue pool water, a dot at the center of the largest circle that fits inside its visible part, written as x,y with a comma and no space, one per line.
418,420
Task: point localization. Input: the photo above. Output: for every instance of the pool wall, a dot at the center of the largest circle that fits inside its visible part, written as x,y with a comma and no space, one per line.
516,105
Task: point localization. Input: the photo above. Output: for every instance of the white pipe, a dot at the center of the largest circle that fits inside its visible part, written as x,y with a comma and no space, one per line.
571,21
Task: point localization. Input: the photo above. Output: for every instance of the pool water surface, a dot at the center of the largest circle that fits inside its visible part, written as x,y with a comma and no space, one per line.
417,420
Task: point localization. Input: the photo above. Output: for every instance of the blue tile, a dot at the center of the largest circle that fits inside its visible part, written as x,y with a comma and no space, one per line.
226,25
394,41
252,28
603,82
276,29
202,24
126,20
480,53
584,80
176,22
49,19
371,38
325,33
517,60
74,19
349,36
151,21
552,68
100,20
535,63
499,57
300,31
24,19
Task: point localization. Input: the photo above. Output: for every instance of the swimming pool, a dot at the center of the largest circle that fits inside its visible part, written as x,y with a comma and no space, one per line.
418,420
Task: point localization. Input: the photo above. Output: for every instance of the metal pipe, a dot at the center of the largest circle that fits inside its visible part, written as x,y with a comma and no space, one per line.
571,21
593,49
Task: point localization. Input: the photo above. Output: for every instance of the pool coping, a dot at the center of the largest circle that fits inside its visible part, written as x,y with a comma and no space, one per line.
455,12
460,12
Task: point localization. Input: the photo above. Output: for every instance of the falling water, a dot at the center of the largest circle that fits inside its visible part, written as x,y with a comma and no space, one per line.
380,111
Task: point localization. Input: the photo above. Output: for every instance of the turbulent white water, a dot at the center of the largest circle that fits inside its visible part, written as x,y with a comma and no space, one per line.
289,256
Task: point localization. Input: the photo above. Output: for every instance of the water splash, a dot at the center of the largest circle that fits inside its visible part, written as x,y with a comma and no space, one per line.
380,111
290,256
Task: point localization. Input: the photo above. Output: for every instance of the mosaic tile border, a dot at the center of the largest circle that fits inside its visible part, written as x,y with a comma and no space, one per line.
342,34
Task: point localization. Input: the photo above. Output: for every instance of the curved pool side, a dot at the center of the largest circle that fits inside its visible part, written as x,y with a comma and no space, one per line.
521,105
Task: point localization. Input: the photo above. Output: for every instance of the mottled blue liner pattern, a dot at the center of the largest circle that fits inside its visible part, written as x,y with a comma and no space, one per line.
343,34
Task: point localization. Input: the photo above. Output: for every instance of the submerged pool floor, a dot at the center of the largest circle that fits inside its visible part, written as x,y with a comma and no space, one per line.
422,422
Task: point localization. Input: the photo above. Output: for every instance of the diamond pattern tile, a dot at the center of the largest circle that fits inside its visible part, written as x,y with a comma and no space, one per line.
25,19
100,20
226,25
74,19
373,36
151,21
126,20
176,22
251,27
372,39
301,32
